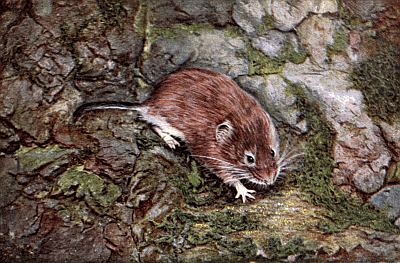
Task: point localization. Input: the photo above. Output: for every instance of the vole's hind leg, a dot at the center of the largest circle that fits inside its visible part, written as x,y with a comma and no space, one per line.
168,139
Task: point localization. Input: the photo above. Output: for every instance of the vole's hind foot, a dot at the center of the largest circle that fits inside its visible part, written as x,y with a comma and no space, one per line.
168,139
243,191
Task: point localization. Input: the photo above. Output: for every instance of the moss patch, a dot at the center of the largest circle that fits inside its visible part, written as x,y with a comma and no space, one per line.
378,78
315,178
260,64
112,12
32,158
87,185
275,249
201,190
267,24
199,228
340,42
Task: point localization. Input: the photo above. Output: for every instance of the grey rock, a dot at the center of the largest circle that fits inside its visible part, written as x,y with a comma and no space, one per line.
9,188
270,43
397,222
367,9
315,33
271,93
216,50
388,198
288,14
391,133
125,49
116,155
249,15
204,48
7,18
166,55
42,7
169,12
359,149
56,16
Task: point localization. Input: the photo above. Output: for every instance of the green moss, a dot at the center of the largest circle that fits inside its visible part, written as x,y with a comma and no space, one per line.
141,19
87,185
175,30
76,213
202,190
199,228
260,64
315,178
378,78
289,53
351,20
112,12
194,176
275,249
243,248
33,158
340,42
267,24
233,31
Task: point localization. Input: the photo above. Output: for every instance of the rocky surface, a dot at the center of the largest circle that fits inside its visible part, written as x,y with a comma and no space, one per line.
105,188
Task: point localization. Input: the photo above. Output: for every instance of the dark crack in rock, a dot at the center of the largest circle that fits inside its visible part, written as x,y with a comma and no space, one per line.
9,140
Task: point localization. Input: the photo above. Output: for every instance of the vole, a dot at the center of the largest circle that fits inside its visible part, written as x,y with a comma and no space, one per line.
224,128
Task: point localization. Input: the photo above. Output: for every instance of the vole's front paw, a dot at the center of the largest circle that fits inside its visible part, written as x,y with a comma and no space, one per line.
243,191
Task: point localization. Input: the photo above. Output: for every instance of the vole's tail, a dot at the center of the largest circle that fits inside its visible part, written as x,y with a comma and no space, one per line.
104,105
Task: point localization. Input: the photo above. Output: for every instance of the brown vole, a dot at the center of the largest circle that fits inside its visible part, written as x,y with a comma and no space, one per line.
225,129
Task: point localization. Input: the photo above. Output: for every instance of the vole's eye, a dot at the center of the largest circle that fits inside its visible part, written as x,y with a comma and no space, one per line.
249,159
272,153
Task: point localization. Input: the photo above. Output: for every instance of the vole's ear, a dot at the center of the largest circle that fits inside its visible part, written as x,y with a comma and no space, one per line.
223,131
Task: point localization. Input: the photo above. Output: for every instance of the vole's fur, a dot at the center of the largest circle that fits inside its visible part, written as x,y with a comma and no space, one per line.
224,128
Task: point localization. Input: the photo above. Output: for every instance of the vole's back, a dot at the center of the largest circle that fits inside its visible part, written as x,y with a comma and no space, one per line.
194,101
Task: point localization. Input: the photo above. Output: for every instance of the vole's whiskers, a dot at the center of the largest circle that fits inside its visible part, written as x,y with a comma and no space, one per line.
288,159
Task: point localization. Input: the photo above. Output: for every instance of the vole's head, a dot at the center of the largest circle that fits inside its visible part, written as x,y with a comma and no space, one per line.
249,145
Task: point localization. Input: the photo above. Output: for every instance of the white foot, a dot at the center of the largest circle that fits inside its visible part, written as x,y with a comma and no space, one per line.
168,139
243,191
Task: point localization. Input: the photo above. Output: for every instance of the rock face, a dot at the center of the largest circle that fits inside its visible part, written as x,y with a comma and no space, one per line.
105,188
388,198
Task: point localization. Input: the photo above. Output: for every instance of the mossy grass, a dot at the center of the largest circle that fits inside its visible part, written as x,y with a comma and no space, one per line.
378,78
340,42
260,64
202,227
315,181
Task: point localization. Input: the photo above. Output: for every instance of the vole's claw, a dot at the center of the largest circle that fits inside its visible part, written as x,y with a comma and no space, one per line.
171,142
243,191
168,139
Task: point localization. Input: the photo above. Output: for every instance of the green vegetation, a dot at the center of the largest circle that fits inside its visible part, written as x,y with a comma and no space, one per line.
201,190
202,227
87,185
112,12
275,249
268,24
340,42
378,78
315,178
33,158
260,64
